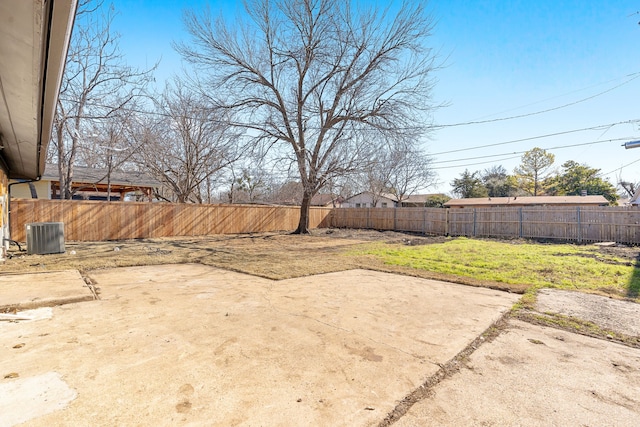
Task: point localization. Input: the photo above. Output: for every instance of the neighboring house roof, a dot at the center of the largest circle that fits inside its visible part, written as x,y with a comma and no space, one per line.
529,201
325,200
84,175
34,38
382,195
386,196
414,198
419,198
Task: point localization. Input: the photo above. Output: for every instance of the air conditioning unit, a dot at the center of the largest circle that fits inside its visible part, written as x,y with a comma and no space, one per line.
45,238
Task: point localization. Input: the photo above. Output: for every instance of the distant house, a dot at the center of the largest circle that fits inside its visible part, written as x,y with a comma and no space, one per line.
385,200
368,199
89,184
327,200
493,202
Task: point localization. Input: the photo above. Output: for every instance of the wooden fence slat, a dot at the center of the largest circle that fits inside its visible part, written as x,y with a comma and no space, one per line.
586,224
97,221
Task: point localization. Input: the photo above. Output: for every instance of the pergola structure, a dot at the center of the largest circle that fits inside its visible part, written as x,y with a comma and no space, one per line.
99,184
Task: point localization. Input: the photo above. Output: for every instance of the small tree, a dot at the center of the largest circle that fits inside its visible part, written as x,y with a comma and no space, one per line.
576,178
319,80
498,182
437,201
531,172
469,185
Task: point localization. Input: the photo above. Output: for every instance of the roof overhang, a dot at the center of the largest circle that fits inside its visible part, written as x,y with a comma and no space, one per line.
34,38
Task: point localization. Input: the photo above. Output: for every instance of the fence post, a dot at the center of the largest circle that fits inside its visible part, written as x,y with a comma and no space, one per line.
520,225
579,225
446,222
395,225
424,220
368,218
474,222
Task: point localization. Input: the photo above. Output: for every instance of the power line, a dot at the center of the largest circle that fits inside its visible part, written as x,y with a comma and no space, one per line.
518,156
522,152
535,113
621,167
537,137
556,97
474,164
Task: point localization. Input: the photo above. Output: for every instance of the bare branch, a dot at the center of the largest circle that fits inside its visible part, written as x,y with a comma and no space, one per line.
323,78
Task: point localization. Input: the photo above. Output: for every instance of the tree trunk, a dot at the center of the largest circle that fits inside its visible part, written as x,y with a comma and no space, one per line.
303,225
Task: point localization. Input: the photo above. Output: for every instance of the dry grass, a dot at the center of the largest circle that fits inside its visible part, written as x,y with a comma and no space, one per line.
271,255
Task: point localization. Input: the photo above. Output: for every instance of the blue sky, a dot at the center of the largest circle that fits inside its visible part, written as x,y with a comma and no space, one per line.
580,59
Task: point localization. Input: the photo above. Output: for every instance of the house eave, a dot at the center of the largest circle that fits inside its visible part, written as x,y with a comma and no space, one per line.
34,39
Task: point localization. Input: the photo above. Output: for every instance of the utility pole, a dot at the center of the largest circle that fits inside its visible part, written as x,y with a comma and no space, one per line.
636,196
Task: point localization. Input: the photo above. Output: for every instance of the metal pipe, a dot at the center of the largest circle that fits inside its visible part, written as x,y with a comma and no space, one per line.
631,144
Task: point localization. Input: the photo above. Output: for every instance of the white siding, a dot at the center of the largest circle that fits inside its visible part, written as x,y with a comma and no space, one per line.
365,200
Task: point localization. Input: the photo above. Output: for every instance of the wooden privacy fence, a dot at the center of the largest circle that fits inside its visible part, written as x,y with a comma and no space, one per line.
95,220
579,224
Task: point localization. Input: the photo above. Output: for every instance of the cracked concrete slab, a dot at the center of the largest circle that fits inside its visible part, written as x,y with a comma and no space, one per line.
537,376
33,290
196,345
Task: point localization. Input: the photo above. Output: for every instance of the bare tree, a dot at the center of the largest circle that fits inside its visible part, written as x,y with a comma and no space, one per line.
188,146
96,86
627,188
341,188
287,192
249,186
410,170
320,80
375,177
399,169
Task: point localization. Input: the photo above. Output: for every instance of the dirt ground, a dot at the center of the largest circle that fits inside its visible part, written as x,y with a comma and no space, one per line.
569,359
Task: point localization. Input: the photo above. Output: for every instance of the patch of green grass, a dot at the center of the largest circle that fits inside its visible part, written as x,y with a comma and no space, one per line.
633,290
562,266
